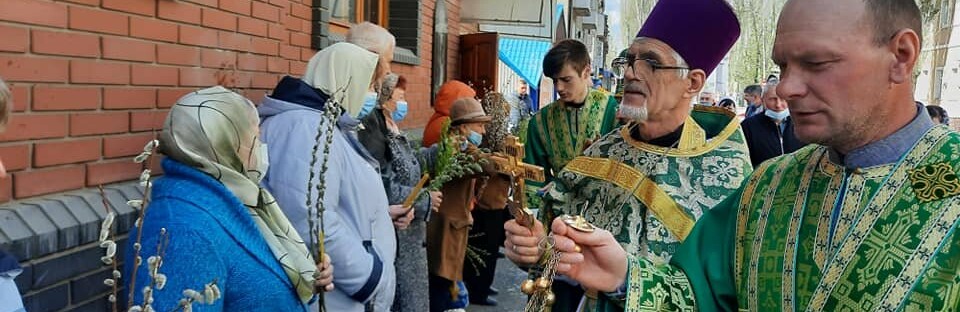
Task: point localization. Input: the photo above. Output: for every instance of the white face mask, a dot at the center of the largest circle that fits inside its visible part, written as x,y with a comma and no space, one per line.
781,115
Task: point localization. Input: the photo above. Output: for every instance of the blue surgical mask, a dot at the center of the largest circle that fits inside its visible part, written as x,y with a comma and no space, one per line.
369,102
400,112
475,138
781,115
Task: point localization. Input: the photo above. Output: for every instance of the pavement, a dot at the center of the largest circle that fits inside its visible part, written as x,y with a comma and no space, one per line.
507,280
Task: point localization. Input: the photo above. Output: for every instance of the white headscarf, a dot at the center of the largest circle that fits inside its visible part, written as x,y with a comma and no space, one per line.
343,71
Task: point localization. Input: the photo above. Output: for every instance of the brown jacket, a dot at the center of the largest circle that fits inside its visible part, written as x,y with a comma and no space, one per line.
448,229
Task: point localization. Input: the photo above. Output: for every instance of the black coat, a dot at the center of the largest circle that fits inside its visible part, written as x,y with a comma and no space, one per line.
764,138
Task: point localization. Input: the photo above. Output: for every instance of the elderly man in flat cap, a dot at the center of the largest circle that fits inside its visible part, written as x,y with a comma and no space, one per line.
649,181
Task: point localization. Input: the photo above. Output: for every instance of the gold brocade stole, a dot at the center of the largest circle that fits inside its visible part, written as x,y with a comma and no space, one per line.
673,216
908,185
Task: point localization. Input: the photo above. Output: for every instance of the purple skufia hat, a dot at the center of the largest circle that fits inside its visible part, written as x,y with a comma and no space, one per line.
701,31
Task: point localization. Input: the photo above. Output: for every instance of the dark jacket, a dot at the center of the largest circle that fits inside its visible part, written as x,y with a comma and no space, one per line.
373,136
765,139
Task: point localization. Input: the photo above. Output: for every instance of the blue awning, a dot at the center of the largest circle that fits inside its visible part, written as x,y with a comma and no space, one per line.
525,57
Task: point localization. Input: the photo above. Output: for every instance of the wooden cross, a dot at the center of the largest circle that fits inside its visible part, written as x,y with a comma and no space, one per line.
511,163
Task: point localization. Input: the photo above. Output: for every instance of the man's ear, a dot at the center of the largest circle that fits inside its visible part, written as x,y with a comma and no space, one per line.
905,46
695,81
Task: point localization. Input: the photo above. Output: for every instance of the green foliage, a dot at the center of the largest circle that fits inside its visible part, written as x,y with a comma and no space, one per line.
451,163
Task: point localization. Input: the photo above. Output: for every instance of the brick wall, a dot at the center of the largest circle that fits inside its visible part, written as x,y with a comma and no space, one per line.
92,79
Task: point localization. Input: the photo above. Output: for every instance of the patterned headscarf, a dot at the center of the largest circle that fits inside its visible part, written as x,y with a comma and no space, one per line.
497,130
215,131
344,71
386,88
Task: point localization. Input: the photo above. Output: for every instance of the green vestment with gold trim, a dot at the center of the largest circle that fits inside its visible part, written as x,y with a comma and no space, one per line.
558,133
649,197
768,248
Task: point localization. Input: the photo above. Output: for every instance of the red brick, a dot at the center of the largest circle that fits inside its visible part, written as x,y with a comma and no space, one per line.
306,54
124,145
289,52
154,75
148,28
301,11
65,152
265,46
41,182
278,65
117,48
306,26
265,81
64,43
87,2
65,98
276,31
219,58
35,126
255,95
126,98
16,39
6,189
209,3
290,22
198,77
167,97
241,80
219,19
31,68
111,172
15,157
98,21
178,55
142,7
99,72
298,68
147,121
265,11
300,39
21,96
252,26
281,3
234,41
198,36
253,62
178,11
98,123
34,12
241,7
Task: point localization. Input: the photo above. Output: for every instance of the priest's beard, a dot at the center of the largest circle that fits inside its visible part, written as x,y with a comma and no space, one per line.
634,113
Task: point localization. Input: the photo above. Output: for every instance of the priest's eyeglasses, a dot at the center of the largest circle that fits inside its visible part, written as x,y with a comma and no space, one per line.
621,64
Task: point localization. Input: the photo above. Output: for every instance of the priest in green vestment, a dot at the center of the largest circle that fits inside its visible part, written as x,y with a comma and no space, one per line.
561,130
650,180
865,219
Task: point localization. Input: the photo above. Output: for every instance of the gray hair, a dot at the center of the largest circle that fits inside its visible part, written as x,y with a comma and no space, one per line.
372,37
6,103
676,57
771,86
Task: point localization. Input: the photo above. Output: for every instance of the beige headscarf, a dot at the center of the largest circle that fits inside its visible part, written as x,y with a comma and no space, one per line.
215,131
343,71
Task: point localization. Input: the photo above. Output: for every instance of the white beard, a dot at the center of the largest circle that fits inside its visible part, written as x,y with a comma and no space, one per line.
633,113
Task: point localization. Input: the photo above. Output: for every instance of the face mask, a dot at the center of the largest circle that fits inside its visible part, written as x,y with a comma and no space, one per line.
400,112
369,102
777,115
475,138
263,162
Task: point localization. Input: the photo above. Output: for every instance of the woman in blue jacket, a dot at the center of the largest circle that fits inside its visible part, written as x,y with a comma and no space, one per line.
220,225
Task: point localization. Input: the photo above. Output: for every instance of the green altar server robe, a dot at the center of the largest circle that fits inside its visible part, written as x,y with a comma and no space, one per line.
648,196
808,234
558,133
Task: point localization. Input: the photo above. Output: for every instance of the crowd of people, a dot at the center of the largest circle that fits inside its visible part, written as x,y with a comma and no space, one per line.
836,190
